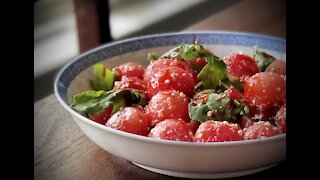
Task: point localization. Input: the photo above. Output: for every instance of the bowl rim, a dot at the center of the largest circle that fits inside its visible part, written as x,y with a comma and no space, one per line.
154,140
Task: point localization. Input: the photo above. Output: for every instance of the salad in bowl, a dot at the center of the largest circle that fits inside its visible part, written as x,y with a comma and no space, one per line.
180,104
190,94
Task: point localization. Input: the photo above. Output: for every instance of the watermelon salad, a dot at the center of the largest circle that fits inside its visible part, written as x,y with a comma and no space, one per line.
190,94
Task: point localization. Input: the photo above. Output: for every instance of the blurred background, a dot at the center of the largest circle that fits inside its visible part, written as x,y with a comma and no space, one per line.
65,28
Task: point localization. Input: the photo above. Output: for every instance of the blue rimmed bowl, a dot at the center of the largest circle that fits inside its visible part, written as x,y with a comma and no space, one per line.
181,159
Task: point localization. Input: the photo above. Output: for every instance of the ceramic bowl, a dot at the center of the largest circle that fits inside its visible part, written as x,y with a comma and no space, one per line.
180,159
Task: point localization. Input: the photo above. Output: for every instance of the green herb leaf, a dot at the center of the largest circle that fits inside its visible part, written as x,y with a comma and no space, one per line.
198,107
117,100
94,102
218,107
104,78
152,56
212,73
240,108
172,54
231,81
263,59
189,52
88,102
199,112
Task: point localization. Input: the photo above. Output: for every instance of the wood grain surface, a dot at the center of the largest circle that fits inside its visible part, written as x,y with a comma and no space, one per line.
62,151
255,16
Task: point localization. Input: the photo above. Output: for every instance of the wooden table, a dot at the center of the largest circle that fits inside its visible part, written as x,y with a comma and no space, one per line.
62,151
